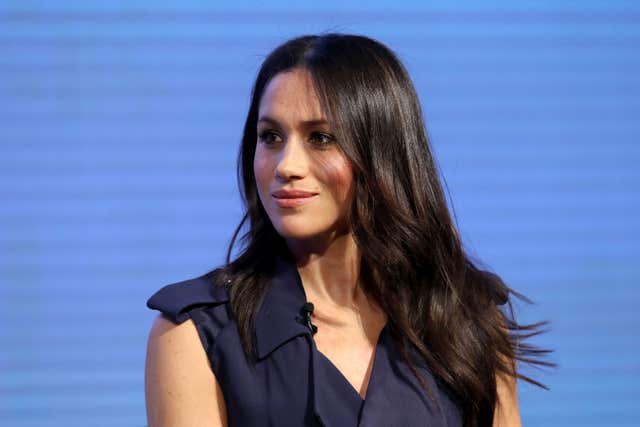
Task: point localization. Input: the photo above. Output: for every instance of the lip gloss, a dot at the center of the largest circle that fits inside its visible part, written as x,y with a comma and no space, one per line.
293,201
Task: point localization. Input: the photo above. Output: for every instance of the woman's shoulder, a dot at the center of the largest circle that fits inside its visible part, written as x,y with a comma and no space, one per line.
180,386
177,300
203,299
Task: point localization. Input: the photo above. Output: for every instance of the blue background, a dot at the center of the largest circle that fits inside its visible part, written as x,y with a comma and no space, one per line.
119,127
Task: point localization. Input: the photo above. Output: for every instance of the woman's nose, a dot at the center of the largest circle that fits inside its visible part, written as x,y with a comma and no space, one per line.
292,162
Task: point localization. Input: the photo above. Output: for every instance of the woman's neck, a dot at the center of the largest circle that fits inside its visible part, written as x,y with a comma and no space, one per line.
331,281
329,271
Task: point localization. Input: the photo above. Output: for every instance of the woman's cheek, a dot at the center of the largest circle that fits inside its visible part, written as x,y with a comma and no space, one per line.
261,172
339,174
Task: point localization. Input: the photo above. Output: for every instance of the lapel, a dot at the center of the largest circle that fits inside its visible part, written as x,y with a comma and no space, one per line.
278,320
394,396
279,317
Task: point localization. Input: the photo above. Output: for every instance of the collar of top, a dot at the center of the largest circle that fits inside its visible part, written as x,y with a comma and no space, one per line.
279,318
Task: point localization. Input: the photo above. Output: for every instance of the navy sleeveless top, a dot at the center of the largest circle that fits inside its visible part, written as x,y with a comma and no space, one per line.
292,383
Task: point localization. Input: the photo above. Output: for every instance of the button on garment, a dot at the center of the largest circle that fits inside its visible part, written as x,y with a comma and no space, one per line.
293,383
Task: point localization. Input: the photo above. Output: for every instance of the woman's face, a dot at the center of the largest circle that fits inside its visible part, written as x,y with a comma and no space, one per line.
297,152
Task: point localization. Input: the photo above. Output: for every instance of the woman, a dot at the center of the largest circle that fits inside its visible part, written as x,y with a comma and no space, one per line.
352,302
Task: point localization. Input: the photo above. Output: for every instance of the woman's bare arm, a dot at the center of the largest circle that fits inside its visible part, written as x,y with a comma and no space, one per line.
180,388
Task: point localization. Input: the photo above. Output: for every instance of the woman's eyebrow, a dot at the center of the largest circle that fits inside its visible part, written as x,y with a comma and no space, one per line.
304,123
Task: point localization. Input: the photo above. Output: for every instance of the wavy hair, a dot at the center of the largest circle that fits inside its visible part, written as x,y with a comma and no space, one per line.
458,317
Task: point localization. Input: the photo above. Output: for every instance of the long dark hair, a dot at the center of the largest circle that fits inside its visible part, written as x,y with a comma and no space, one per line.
458,317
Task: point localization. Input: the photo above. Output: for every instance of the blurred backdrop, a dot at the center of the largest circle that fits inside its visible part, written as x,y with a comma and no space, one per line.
119,128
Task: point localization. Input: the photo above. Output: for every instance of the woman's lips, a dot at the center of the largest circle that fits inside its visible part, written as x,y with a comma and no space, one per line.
292,202
293,198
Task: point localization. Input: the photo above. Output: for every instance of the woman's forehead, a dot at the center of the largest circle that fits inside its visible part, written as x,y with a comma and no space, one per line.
290,97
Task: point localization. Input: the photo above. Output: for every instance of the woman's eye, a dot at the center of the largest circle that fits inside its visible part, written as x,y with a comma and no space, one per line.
322,138
268,137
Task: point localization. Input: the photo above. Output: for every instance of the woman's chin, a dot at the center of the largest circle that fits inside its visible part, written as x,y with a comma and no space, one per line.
299,229
307,229
297,233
